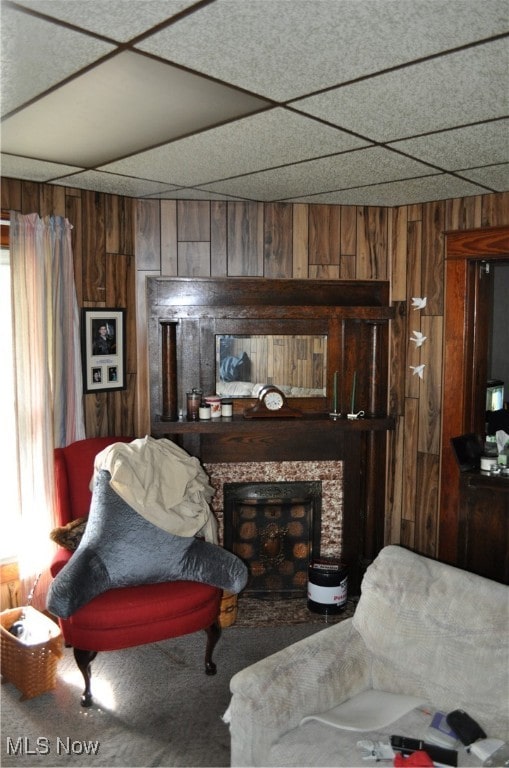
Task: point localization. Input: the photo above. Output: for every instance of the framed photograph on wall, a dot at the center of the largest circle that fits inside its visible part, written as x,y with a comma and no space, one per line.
103,349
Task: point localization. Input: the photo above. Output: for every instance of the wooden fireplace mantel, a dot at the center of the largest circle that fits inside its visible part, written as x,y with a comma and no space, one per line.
184,315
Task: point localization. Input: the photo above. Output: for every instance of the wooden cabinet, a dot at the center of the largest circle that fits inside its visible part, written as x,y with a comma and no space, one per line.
483,540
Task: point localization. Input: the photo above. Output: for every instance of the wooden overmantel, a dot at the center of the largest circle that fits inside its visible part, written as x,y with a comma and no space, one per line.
353,315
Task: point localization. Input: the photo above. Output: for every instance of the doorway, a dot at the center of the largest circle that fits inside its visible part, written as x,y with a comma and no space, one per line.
467,332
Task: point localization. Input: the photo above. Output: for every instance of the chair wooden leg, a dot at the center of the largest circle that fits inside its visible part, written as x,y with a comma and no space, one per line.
84,660
213,635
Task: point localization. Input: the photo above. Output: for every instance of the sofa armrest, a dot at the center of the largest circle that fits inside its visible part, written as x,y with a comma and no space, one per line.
272,696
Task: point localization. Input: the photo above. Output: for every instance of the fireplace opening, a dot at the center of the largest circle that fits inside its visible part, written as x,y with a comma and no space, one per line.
275,529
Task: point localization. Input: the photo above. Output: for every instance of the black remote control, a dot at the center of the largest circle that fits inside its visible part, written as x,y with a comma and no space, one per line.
439,754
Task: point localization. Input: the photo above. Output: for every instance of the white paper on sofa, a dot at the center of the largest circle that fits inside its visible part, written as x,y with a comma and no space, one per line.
368,711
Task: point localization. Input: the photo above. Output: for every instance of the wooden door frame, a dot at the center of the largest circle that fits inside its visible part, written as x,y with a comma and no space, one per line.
464,345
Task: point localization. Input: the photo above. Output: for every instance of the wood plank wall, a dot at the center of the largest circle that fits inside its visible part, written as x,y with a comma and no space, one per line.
118,242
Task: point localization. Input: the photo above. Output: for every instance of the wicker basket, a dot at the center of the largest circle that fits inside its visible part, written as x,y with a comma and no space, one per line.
228,610
31,668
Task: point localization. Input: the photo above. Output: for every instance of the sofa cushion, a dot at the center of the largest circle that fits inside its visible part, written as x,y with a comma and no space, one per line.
121,548
315,743
439,632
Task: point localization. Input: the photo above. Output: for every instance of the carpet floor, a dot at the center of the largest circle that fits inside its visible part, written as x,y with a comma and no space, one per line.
153,705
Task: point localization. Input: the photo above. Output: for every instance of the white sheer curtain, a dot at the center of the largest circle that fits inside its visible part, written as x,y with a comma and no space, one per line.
48,383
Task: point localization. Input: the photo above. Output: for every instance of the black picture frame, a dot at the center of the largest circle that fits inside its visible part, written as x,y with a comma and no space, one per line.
103,349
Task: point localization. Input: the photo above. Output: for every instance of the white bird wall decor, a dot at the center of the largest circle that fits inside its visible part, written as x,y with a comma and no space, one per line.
418,338
418,370
419,302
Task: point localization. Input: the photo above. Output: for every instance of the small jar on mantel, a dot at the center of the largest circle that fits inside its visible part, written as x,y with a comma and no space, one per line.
204,412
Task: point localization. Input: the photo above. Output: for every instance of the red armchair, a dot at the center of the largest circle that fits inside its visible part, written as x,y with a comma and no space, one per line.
128,616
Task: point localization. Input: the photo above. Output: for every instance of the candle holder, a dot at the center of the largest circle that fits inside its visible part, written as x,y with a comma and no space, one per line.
334,413
193,404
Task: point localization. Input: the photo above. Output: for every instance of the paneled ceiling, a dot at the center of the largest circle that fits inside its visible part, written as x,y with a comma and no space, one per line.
354,102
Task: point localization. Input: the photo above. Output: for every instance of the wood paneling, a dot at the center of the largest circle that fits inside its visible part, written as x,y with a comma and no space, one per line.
427,494
414,289
218,240
74,214
432,271
148,234
394,484
324,234
278,240
372,244
405,245
169,247
11,194
193,221
463,213
300,240
397,357
398,234
94,248
348,233
194,259
430,395
30,197
245,239
52,200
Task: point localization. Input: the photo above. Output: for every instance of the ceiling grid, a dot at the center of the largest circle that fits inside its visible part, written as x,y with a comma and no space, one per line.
352,102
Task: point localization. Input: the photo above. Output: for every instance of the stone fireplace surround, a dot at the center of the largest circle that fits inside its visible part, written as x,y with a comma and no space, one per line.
330,473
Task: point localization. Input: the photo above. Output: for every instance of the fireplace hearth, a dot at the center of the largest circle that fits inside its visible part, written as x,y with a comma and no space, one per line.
275,529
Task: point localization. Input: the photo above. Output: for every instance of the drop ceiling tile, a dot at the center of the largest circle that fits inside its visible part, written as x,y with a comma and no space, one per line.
37,54
494,176
111,184
482,144
465,87
117,19
282,49
123,106
268,139
33,170
365,166
426,189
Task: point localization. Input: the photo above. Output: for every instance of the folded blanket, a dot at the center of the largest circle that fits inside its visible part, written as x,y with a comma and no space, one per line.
163,483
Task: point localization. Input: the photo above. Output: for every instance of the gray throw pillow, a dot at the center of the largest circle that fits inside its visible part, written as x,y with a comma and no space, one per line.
120,548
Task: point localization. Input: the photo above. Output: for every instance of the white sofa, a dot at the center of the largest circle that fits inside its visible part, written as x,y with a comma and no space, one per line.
421,628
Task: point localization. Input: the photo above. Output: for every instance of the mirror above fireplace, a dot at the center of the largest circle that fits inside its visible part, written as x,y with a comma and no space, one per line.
296,364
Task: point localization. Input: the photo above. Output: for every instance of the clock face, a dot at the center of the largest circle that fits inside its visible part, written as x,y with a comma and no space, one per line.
273,400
